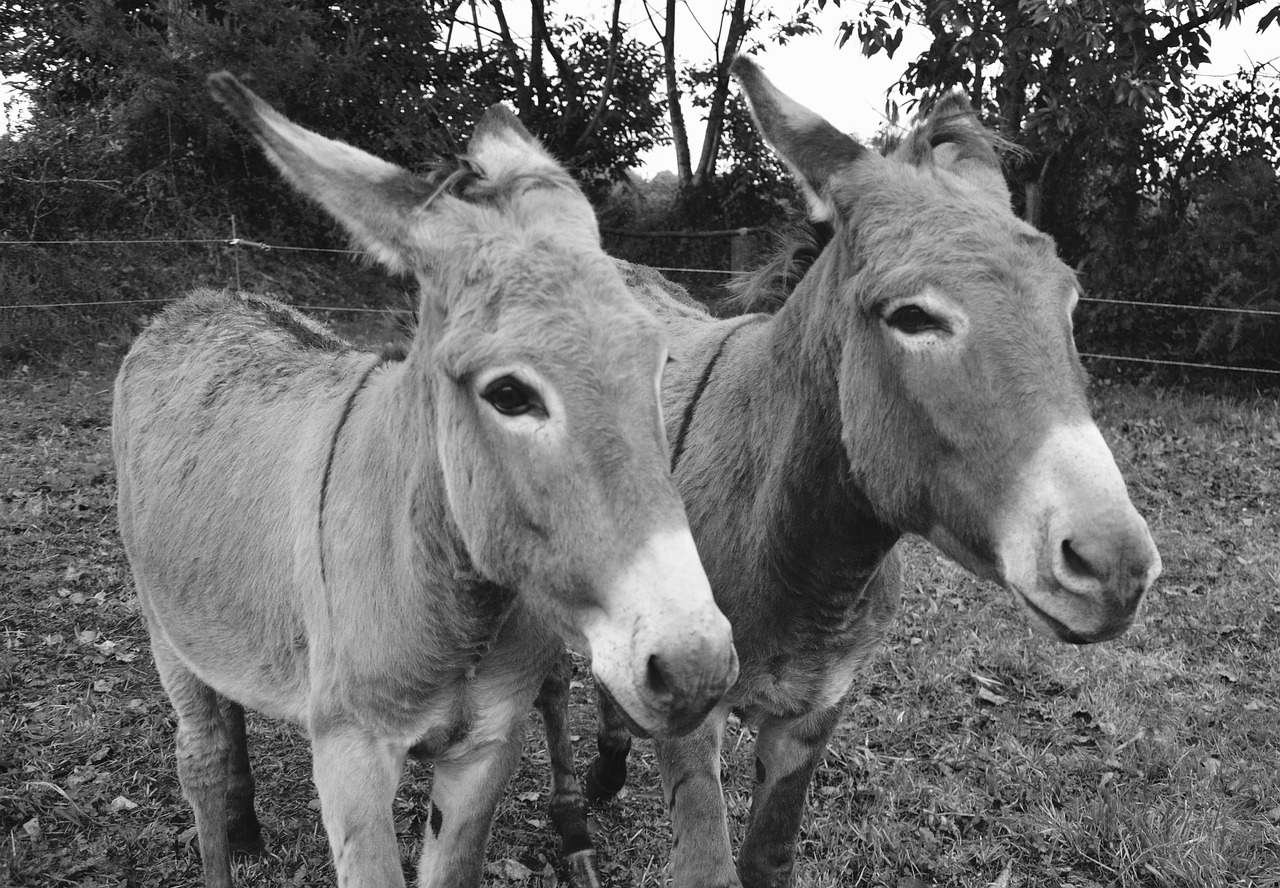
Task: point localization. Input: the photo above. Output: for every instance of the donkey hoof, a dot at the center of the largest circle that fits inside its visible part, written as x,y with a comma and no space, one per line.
245,842
603,782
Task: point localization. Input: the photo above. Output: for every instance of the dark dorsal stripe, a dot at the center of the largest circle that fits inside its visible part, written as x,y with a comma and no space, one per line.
687,420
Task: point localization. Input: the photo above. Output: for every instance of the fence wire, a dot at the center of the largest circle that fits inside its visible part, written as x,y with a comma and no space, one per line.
235,242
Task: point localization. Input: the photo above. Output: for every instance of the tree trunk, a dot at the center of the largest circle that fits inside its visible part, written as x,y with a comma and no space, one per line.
524,100
679,135
720,96
537,77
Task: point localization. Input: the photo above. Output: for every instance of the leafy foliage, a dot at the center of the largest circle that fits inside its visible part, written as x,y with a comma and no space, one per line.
1121,148
120,109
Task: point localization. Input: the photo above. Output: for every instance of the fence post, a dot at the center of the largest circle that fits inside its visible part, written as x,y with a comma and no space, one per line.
235,251
743,249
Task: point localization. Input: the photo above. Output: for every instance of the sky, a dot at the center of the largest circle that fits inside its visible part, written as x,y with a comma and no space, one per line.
849,89
842,85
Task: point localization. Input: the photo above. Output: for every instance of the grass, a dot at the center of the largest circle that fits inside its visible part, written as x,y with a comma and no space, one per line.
976,755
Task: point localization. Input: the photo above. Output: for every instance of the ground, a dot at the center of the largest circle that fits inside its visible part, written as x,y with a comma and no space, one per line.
976,754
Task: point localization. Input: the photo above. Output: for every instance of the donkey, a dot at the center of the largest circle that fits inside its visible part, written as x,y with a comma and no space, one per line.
922,378
393,553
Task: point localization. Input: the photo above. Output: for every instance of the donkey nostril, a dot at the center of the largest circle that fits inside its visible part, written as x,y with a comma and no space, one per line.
656,679
1075,563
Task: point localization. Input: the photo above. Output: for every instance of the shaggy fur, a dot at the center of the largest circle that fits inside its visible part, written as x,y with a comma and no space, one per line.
921,377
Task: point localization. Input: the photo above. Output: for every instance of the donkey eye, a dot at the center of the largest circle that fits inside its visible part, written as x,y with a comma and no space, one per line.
913,319
510,397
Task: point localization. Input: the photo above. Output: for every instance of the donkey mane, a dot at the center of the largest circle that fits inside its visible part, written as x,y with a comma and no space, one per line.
460,177
798,244
950,121
796,247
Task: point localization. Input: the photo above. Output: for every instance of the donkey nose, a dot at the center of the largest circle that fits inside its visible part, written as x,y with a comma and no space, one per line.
1112,564
686,685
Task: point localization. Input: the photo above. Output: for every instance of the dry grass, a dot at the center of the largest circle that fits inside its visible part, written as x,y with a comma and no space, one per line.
977,755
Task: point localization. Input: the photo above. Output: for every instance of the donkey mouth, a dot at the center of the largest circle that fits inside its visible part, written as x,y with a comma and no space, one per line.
632,725
1068,635
673,723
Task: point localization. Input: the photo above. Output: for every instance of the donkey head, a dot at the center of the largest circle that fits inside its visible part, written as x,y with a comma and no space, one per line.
536,376
961,394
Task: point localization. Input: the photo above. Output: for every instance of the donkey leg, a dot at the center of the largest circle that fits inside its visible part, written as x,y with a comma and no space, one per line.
465,791
690,768
608,772
787,753
244,834
356,775
203,749
568,807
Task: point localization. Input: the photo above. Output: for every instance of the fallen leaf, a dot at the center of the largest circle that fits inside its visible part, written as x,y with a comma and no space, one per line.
32,829
510,869
991,697
120,803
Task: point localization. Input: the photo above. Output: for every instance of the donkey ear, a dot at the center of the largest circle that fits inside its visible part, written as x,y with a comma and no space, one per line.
813,148
371,198
951,137
501,146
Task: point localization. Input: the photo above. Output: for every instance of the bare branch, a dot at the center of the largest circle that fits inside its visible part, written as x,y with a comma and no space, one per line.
606,88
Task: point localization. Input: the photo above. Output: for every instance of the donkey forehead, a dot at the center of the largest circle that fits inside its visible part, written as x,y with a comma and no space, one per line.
536,208
580,322
917,228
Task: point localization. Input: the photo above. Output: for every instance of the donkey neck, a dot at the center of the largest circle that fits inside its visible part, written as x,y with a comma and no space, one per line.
391,432
776,454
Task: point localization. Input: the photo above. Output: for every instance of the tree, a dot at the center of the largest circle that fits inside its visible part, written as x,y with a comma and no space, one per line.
1059,79
1134,170
737,29
599,112
123,133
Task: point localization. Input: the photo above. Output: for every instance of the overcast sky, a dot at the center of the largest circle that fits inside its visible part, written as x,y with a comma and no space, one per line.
842,85
849,89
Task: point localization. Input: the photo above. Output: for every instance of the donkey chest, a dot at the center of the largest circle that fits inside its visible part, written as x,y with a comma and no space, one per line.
443,710
799,655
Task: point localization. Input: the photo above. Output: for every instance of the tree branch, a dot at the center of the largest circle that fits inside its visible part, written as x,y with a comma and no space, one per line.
720,93
606,88
524,100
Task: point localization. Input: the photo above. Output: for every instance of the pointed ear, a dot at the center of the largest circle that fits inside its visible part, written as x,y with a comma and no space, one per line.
371,198
501,146
951,137
813,148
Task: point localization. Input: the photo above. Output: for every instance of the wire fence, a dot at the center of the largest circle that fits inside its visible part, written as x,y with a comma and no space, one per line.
236,243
